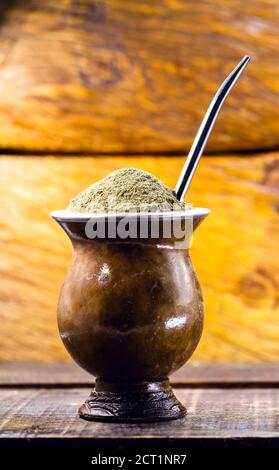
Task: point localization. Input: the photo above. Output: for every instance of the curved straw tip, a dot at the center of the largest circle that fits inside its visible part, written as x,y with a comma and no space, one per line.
205,129
246,58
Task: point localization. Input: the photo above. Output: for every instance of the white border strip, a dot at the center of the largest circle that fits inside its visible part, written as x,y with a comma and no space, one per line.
64,215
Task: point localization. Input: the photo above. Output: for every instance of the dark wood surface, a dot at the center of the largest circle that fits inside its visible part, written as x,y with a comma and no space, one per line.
195,374
46,406
218,413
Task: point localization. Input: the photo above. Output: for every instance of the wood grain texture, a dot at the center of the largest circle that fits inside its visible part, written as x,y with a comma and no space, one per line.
112,75
235,251
220,414
196,374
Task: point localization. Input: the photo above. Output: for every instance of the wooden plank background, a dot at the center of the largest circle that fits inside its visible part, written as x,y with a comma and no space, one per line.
119,76
133,79
235,251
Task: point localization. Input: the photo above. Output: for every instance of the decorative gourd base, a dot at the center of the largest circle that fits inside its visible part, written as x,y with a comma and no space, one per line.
132,402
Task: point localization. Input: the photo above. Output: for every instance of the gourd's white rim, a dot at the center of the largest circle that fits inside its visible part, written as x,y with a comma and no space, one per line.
66,216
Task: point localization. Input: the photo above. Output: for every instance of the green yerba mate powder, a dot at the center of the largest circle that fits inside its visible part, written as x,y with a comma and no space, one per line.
126,190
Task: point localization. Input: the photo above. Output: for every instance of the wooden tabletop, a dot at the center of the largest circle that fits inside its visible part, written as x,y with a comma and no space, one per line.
227,403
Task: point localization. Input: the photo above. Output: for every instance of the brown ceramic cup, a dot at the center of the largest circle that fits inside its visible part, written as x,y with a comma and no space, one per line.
130,310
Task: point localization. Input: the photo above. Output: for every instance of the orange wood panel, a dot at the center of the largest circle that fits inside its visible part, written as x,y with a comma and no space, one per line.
114,75
235,251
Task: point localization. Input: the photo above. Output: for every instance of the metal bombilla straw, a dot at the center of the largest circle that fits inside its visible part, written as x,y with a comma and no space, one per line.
205,130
